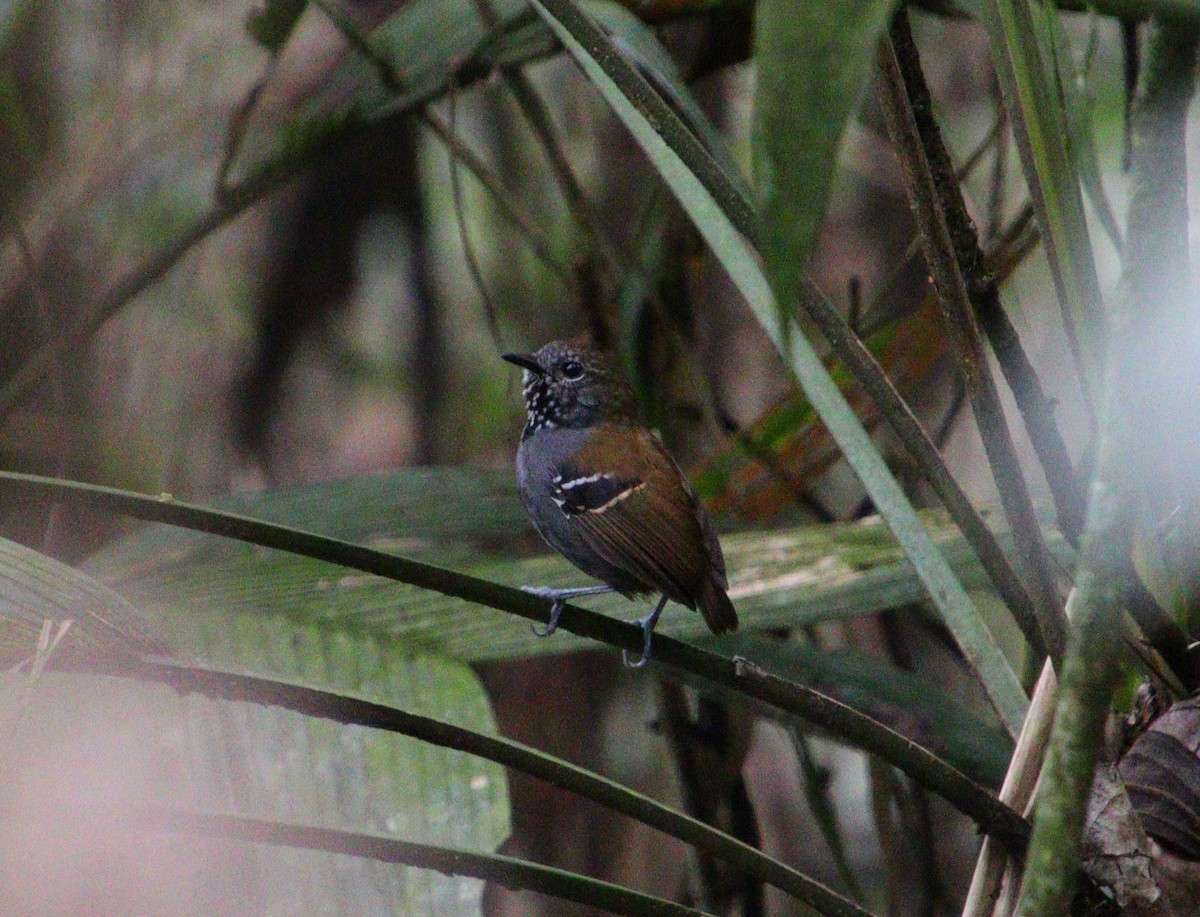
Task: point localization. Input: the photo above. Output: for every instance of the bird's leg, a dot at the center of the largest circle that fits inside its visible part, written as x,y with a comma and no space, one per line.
647,625
560,597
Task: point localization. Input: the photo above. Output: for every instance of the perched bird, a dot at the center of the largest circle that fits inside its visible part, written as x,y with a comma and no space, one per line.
603,492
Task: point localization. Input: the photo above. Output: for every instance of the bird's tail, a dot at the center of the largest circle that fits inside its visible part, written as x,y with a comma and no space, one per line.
717,609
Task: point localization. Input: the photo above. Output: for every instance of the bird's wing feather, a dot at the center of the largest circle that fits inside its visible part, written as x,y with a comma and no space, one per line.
639,516
577,493
712,544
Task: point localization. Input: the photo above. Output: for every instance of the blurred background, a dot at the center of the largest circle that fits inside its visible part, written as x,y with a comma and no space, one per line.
348,321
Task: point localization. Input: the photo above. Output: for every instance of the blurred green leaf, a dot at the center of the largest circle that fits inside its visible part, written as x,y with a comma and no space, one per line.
262,761
35,589
812,61
265,762
1164,557
1078,104
319,772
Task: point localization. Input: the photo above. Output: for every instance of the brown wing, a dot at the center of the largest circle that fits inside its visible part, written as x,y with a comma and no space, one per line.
640,516
712,544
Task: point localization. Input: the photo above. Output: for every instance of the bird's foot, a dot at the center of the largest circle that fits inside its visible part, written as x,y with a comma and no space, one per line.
559,597
556,611
647,625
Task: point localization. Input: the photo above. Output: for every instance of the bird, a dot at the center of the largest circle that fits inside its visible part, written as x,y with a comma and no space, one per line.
603,491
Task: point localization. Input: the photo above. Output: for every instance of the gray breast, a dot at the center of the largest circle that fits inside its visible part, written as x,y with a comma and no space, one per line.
539,459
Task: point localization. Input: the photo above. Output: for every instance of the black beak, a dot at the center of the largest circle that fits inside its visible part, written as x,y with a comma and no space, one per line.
525,361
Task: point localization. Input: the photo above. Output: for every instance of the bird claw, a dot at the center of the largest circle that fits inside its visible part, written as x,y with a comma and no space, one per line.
559,597
647,625
645,657
556,611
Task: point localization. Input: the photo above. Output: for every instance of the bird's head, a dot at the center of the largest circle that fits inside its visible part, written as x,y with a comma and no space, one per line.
571,384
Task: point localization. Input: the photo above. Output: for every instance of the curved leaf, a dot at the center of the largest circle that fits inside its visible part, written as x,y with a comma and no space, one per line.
348,710
509,871
738,676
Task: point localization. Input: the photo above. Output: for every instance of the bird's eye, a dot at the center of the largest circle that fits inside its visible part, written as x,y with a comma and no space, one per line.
572,370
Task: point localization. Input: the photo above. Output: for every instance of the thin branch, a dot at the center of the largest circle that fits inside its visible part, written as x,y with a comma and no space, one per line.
748,681
953,255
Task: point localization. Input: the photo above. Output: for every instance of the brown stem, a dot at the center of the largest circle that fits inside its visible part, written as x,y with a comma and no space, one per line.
954,256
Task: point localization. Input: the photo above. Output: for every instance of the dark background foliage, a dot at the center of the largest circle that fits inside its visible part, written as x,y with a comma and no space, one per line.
265,259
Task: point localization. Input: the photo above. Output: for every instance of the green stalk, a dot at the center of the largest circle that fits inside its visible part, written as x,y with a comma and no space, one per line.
1089,676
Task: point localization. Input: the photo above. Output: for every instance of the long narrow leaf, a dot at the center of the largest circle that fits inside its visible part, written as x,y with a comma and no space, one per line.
508,871
351,710
744,268
738,676
1019,37
464,520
